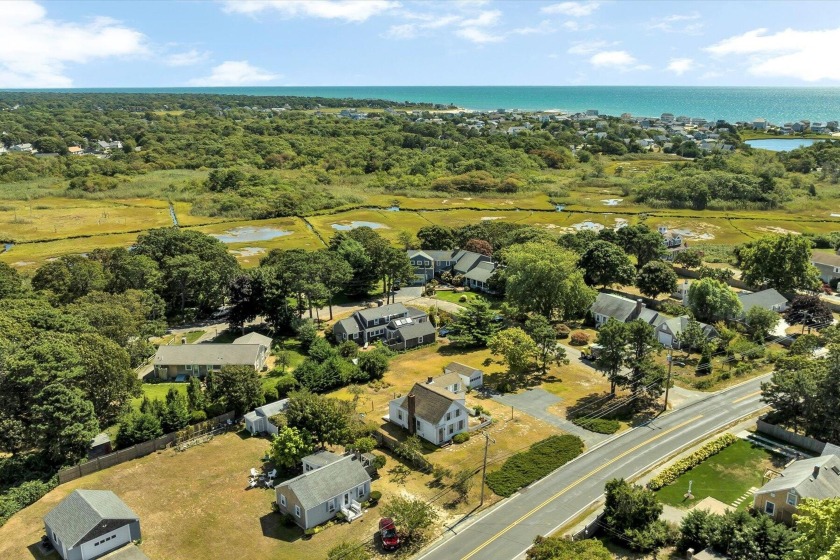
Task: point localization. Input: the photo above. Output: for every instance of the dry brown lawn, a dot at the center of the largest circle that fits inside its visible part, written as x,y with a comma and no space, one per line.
194,505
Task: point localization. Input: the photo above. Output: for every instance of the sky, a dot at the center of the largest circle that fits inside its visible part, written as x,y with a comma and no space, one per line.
86,44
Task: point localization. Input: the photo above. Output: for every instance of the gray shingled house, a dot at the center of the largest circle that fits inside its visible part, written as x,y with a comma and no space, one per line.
807,478
259,420
90,523
769,299
474,267
396,325
431,411
171,361
828,264
331,483
622,309
669,331
471,377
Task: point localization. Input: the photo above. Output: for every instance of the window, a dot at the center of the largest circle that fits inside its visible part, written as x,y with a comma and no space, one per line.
460,425
376,321
769,508
297,510
448,416
188,367
343,336
791,499
417,423
399,414
451,429
457,412
837,269
331,506
355,335
419,340
360,491
282,500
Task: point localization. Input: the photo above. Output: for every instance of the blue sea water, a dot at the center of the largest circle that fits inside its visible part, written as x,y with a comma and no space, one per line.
780,144
777,105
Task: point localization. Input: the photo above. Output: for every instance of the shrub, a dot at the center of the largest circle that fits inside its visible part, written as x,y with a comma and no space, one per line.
23,495
542,458
462,299
580,338
703,384
198,416
340,516
598,425
673,472
375,496
461,438
563,331
480,410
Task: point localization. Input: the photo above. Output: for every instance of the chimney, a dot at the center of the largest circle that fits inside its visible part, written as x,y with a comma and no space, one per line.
689,554
183,340
412,425
816,471
430,380
639,306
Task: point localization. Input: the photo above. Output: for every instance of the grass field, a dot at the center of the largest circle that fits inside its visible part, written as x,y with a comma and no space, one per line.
157,391
725,476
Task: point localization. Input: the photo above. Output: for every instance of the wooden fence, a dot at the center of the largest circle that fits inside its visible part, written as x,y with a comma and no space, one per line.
781,434
142,449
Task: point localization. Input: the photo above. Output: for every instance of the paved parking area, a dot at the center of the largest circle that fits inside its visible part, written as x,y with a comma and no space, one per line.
536,402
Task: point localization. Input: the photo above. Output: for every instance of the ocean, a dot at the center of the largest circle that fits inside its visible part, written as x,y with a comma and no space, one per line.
777,105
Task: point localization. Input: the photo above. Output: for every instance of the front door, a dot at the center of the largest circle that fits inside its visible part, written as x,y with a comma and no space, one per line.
346,499
440,435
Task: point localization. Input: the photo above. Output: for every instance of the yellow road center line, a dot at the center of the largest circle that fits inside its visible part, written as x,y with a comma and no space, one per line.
745,397
578,481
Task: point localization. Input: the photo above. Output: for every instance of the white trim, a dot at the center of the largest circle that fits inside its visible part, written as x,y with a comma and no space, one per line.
282,500
297,510
769,508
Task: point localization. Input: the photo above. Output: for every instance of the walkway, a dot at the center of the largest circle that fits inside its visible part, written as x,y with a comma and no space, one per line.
536,403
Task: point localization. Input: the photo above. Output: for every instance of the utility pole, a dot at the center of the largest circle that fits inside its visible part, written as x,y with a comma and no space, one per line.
668,382
487,440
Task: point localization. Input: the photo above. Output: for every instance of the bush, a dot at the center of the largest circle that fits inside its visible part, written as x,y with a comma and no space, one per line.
563,331
542,458
22,496
703,384
285,385
198,416
461,438
673,472
375,496
598,425
655,536
462,299
580,338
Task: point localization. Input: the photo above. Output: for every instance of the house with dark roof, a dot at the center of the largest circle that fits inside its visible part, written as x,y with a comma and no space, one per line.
470,376
474,267
828,264
258,421
90,523
669,330
818,478
170,361
769,299
396,325
431,411
623,310
332,484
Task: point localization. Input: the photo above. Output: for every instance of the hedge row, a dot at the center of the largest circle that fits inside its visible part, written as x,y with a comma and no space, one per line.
21,496
598,425
541,459
673,472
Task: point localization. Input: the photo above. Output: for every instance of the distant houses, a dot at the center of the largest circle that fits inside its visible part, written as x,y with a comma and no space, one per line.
474,267
828,264
88,524
768,299
177,362
396,325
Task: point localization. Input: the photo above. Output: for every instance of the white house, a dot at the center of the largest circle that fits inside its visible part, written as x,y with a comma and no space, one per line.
470,376
259,420
430,411
90,523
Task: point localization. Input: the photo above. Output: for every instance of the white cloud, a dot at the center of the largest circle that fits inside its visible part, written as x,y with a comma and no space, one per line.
235,73
572,9
574,25
36,50
483,19
477,26
807,55
188,58
620,60
588,47
348,10
477,35
680,66
687,24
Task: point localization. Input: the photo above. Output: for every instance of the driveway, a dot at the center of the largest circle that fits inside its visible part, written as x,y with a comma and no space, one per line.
536,402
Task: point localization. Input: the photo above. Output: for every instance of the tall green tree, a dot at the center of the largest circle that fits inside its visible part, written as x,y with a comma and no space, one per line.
65,423
629,506
657,277
237,388
108,381
782,262
69,277
176,414
326,419
289,446
711,300
605,264
436,237
818,530
761,322
545,279
475,325
411,515
560,548
642,242
137,428
545,337
646,378
612,337
518,350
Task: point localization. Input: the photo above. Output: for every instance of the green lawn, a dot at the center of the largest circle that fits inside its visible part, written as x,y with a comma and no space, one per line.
157,391
455,297
725,476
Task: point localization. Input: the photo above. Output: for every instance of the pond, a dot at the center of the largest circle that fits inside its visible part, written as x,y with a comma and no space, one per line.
250,233
358,224
781,144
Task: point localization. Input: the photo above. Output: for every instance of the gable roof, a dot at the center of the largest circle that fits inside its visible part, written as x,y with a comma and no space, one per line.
382,312
448,380
414,330
611,305
676,325
466,260
314,488
321,458
272,409
800,477
651,317
461,369
83,511
208,354
413,253
350,325
442,255
254,338
765,298
827,259
481,272
430,402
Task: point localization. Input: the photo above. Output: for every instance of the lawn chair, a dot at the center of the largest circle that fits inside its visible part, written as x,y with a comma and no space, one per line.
272,474
252,483
254,472
269,483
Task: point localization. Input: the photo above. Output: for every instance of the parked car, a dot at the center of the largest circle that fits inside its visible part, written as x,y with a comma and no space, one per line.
388,532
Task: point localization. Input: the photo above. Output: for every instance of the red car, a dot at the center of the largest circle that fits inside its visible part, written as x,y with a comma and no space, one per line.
390,540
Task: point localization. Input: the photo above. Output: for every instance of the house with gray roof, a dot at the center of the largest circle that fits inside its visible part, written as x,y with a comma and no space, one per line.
470,376
396,325
173,360
316,496
431,411
254,338
818,478
258,421
828,264
769,299
622,309
669,330
90,523
474,267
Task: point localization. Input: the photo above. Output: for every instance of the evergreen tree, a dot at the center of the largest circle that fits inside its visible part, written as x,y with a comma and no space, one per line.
475,325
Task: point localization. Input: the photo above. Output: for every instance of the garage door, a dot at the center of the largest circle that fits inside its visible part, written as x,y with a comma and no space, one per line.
106,543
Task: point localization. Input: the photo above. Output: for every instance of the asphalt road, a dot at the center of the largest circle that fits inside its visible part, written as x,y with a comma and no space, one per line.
505,531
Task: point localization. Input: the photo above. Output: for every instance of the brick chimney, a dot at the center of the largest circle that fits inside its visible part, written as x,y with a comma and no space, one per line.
816,471
639,306
430,380
412,407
